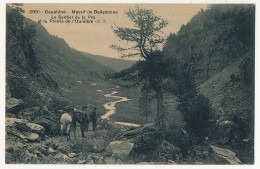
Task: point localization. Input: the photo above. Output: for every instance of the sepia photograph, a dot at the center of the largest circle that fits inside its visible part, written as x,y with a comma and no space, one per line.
130,83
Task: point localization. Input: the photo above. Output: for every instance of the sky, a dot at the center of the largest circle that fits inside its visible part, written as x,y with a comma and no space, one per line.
95,38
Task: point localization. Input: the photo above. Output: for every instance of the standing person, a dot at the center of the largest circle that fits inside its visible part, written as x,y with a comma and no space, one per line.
74,120
84,121
93,118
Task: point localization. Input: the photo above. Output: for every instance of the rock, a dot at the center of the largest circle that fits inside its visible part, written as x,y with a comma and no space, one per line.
171,162
36,152
51,151
99,145
82,162
71,155
28,155
25,130
226,154
12,102
202,152
30,113
110,160
52,126
35,127
33,137
61,156
91,162
14,105
9,149
120,149
51,144
109,126
10,122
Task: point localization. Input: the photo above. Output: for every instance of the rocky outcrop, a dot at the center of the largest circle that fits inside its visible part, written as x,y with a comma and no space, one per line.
120,149
13,105
30,113
225,154
24,130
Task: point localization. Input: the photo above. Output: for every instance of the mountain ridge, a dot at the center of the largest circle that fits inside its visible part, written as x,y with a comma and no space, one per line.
114,63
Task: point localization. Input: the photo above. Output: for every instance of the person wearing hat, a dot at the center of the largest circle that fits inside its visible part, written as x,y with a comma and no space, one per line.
93,118
84,121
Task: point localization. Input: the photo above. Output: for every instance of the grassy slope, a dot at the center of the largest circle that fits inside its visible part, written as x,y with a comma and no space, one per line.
129,111
226,96
77,76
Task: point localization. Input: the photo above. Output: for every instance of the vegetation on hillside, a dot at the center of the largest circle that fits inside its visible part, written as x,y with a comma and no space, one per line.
213,39
24,76
211,42
205,72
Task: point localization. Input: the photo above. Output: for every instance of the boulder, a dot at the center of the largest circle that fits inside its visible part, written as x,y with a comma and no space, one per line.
9,149
71,155
28,155
51,151
111,127
33,137
24,130
99,145
110,160
91,162
61,156
30,113
96,157
120,149
51,126
226,154
14,105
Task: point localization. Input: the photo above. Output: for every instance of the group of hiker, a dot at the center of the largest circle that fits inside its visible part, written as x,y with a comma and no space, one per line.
83,116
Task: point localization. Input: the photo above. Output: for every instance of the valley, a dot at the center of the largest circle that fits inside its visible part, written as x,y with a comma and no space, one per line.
190,103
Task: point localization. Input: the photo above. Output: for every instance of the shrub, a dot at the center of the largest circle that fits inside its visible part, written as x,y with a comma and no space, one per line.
197,115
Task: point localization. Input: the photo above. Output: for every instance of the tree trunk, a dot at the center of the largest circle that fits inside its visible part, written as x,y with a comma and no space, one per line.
159,98
160,114
146,106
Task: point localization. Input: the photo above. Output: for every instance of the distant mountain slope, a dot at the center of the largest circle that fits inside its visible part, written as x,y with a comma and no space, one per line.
213,39
232,96
73,71
115,64
55,54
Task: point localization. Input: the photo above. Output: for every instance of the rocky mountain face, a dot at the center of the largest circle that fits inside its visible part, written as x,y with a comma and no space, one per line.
216,48
25,79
